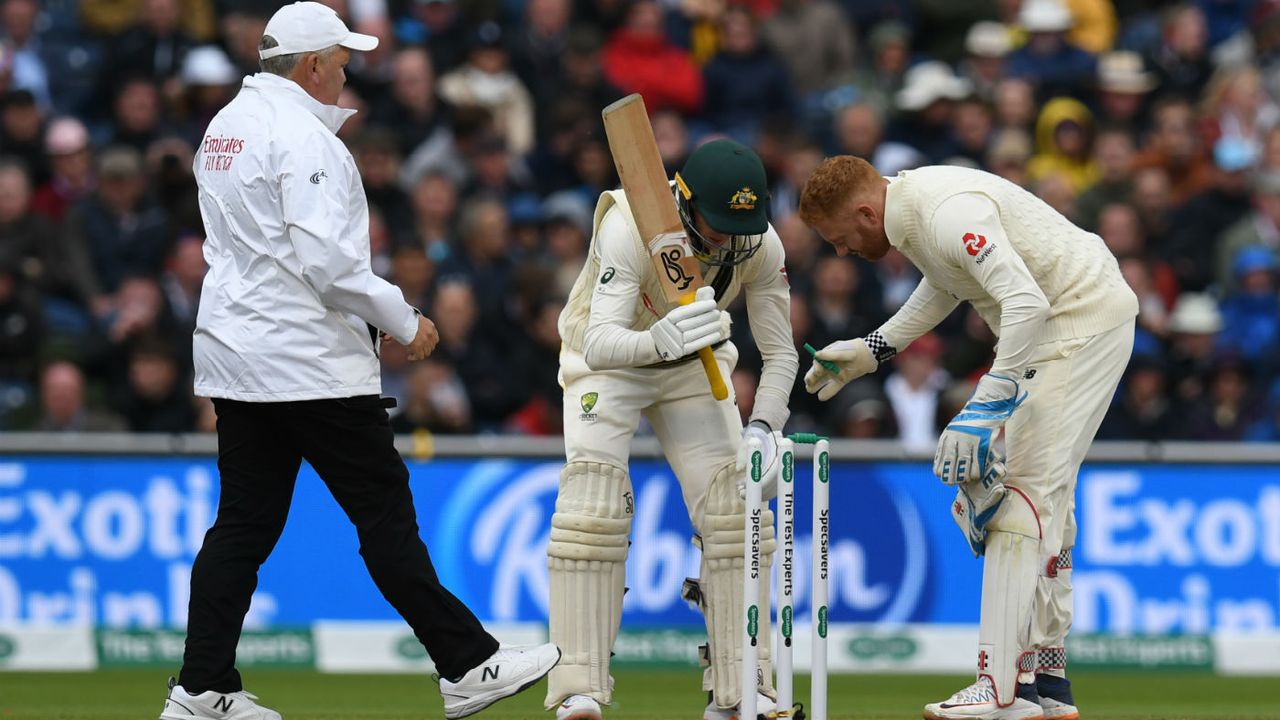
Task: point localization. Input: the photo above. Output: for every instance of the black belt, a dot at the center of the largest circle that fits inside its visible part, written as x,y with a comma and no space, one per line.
680,361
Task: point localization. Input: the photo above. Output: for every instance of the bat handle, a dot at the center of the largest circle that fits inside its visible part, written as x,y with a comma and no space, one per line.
719,390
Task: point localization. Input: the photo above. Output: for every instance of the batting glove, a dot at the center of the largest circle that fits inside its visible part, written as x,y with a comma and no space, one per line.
854,359
965,448
768,460
688,328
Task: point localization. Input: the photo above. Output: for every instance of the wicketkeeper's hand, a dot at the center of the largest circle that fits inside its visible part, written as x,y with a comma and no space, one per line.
853,357
768,460
977,503
965,448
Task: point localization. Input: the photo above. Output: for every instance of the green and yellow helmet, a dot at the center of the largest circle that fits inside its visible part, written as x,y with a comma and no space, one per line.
724,182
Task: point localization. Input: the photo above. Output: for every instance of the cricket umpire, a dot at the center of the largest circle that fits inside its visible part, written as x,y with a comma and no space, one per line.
286,344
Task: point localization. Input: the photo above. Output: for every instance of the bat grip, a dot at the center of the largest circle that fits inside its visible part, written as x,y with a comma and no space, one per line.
719,390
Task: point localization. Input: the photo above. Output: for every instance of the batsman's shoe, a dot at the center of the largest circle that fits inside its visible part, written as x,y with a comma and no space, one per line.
1055,698
978,702
579,707
505,673
765,708
209,705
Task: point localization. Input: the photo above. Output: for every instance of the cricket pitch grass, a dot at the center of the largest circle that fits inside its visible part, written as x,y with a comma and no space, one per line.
640,695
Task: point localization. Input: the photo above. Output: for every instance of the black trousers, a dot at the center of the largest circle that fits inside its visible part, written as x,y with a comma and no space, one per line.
350,444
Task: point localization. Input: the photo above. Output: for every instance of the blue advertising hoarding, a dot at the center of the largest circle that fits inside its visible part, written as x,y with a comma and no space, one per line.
109,542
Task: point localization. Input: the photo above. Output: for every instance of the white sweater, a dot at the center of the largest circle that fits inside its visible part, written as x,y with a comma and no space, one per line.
1030,273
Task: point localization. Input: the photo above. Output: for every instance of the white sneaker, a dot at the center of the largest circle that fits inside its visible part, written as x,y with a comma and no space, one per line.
505,673
210,705
978,702
579,707
1056,710
765,706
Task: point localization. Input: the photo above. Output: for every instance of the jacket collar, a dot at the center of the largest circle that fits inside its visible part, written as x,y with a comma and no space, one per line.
331,115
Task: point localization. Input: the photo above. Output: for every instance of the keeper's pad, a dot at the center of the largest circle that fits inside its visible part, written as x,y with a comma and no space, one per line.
586,559
1053,614
1009,586
721,591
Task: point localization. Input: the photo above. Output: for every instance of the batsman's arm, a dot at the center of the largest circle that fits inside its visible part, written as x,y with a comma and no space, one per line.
1002,273
769,312
609,341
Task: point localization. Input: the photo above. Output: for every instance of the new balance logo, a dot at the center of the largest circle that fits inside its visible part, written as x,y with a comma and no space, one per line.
1029,374
489,673
223,704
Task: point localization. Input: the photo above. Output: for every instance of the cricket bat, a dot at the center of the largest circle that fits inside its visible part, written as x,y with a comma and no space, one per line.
644,180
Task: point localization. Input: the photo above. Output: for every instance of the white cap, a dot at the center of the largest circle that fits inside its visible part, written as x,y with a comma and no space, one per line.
308,27
1045,16
930,81
988,39
208,65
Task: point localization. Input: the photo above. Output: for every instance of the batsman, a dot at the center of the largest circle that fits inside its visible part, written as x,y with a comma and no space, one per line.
630,352
1054,295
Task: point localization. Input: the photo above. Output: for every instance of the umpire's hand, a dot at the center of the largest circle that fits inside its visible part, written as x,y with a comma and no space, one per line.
425,341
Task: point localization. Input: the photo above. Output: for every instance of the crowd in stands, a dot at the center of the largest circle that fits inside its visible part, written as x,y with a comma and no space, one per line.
1152,124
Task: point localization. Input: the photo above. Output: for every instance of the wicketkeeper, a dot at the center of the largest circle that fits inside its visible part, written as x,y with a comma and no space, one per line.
1054,295
629,354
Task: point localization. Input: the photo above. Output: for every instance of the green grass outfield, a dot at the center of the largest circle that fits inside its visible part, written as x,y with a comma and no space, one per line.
641,695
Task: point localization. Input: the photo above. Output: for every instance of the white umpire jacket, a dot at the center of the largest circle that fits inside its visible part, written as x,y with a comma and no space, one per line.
290,308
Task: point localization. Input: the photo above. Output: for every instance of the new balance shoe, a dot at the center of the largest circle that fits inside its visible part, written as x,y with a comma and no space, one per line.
765,707
1055,698
579,707
209,705
978,702
505,673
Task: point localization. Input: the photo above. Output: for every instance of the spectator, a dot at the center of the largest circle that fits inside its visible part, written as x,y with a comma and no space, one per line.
154,48
1064,139
1123,88
537,49
20,133
183,280
493,389
815,40
876,85
1113,155
1143,410
377,156
972,125
1182,59
986,46
1261,227
437,25
542,412
64,403
1207,214
927,101
1228,409
158,396
435,204
137,119
484,258
745,83
412,110
1193,326
1051,62
1153,312
209,81
913,390
568,235
1008,154
67,145
21,330
836,313
639,58
435,401
1251,313
485,80
28,65
122,231
1015,104
1174,146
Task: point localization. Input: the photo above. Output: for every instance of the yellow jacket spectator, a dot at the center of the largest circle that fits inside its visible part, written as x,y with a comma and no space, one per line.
1064,134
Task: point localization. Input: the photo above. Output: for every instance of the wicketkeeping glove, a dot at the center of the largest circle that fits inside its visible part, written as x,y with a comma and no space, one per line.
977,502
965,448
768,460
